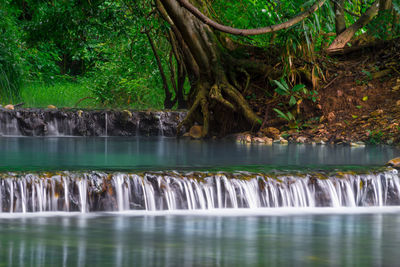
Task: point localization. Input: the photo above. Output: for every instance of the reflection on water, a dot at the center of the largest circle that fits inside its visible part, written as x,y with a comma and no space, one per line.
300,240
159,153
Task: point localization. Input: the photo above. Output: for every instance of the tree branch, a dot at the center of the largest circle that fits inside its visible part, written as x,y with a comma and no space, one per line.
245,32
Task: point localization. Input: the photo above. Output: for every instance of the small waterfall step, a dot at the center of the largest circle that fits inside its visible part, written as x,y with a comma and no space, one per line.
71,122
102,191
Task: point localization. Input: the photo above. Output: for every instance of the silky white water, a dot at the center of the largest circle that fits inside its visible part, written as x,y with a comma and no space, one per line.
97,191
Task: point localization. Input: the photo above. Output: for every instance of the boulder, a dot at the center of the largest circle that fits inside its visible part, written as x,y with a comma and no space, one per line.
301,139
357,144
394,163
195,131
268,140
9,107
284,142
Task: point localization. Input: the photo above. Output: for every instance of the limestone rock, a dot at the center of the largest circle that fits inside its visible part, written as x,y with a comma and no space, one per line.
357,144
395,163
9,107
33,122
247,138
127,113
51,107
267,140
195,131
258,140
271,132
301,139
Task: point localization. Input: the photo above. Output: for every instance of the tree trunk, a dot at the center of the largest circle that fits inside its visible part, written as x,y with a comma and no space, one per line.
211,69
340,22
384,5
168,102
343,38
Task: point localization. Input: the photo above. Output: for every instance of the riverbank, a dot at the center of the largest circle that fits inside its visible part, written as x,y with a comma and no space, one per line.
358,101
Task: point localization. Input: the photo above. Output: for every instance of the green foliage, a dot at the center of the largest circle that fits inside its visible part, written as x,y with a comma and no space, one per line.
375,137
10,54
384,26
288,116
295,96
100,43
296,93
113,87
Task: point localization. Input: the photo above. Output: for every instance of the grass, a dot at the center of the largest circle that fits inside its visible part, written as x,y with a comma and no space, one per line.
68,93
60,94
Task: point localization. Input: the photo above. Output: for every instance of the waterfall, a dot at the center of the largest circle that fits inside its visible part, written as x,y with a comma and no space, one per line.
70,122
100,191
106,124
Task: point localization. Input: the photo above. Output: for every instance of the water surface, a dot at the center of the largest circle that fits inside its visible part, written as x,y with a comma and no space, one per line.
202,240
160,153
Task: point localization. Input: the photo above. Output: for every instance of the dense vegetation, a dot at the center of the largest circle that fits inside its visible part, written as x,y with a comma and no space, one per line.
156,54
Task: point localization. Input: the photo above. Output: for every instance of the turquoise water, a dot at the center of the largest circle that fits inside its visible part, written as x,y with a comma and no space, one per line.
80,153
201,240
302,237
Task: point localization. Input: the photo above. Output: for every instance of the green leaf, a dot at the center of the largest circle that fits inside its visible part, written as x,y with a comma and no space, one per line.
298,87
290,115
282,89
281,114
292,101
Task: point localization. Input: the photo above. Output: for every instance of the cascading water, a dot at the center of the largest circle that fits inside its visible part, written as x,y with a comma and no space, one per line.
97,191
106,124
64,122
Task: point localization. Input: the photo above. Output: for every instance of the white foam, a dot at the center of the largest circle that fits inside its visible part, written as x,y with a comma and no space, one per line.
263,212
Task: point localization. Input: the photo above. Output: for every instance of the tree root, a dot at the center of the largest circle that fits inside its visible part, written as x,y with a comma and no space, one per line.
246,86
244,107
200,100
205,94
215,93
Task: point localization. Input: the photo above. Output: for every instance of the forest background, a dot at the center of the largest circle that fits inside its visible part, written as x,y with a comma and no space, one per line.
119,54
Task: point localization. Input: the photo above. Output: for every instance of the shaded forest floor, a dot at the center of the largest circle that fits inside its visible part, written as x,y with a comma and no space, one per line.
359,101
